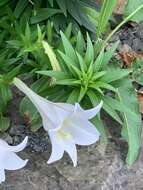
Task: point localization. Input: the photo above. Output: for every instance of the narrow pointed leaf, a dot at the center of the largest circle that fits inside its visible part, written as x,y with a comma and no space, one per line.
99,61
115,74
80,43
56,74
132,126
69,50
89,56
73,97
109,54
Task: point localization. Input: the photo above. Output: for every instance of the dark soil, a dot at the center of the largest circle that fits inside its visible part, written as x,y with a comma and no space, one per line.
132,34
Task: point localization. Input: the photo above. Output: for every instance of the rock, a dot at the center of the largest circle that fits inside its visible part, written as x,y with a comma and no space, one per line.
137,44
94,172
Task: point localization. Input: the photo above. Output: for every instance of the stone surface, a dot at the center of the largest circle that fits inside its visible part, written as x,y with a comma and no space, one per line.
94,172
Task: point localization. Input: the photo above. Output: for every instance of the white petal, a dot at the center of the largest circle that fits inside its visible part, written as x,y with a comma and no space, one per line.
87,113
82,130
67,107
57,149
2,175
50,112
5,147
13,162
48,124
70,148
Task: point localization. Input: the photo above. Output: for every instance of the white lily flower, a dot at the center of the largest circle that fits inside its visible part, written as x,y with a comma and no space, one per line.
8,158
66,124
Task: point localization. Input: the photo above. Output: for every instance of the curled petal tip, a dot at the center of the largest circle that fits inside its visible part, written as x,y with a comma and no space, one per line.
75,164
50,161
25,162
26,140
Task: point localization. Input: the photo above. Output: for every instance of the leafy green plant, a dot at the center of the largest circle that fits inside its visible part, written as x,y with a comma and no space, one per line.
87,79
60,12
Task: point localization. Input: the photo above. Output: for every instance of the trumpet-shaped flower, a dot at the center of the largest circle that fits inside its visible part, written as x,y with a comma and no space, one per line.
66,124
8,158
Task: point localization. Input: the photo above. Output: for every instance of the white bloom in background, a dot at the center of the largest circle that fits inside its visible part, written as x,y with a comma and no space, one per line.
66,124
8,158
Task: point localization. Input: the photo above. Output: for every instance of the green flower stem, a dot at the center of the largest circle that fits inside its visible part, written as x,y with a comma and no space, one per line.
120,25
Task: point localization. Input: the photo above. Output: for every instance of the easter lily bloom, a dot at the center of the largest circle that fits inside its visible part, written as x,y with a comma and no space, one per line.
8,158
66,124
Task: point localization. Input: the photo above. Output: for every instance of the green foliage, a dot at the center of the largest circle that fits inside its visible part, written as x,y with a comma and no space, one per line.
131,6
132,125
60,12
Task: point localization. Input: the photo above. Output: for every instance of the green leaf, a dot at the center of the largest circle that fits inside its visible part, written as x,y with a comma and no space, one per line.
70,64
68,31
105,14
82,93
68,82
89,55
111,111
4,123
82,64
103,85
5,93
69,50
62,5
44,14
56,74
80,43
51,2
131,6
98,75
132,126
99,60
109,54
97,120
10,75
117,105
115,74
106,105
93,16
3,2
21,5
49,32
73,97
74,11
